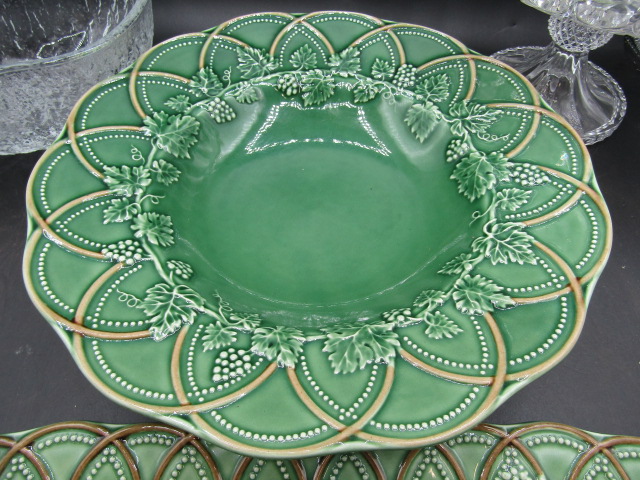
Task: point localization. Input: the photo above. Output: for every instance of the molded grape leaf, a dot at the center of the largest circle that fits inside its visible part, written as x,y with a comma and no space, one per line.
205,83
217,335
478,172
440,326
244,321
347,62
253,62
472,117
316,87
353,347
179,103
430,299
158,229
477,295
422,118
120,210
382,70
435,88
304,58
166,173
364,92
126,180
245,93
282,344
173,134
169,307
512,199
506,242
457,265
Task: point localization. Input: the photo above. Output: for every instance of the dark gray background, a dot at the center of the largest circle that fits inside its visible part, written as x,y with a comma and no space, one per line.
596,387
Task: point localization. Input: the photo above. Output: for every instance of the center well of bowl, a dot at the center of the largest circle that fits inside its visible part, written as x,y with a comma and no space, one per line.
310,230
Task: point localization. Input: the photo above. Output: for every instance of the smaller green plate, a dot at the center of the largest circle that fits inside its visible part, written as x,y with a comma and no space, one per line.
534,451
297,234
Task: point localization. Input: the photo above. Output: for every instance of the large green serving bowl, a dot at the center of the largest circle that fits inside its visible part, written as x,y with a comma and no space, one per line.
301,234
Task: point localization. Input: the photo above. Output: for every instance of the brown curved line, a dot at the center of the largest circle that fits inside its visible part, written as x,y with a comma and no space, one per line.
495,389
399,46
49,313
53,236
579,318
61,242
176,379
77,201
114,438
35,461
33,436
110,438
604,448
596,445
209,41
170,76
241,467
30,438
455,377
110,128
92,290
352,429
533,129
453,461
473,79
473,56
36,169
86,368
499,448
173,451
406,463
43,226
597,199
302,21
195,442
71,130
391,26
322,467
542,298
309,403
373,462
551,114
571,201
509,437
133,96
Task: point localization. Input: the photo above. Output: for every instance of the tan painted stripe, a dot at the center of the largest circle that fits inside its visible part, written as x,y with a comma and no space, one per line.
484,409
455,377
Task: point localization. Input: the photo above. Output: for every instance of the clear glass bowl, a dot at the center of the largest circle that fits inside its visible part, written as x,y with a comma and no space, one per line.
53,51
587,96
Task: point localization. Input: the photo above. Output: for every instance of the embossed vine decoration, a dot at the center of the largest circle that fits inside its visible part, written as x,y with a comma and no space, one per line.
171,304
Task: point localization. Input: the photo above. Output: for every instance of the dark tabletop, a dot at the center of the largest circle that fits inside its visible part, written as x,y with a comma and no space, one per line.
597,387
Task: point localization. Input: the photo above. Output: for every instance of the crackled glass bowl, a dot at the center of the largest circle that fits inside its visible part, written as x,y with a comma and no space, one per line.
51,52
300,234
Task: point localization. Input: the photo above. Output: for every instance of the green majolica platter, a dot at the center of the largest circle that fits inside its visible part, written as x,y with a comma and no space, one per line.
89,451
302,234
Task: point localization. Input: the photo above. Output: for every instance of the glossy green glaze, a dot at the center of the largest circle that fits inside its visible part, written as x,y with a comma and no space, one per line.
519,452
304,234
